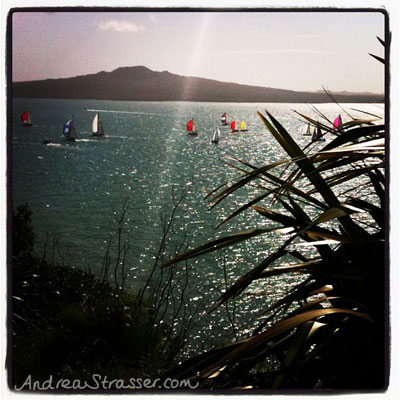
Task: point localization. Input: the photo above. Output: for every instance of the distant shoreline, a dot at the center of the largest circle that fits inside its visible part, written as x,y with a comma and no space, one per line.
203,101
142,84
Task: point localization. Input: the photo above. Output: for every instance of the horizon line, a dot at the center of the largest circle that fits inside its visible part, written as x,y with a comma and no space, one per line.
341,91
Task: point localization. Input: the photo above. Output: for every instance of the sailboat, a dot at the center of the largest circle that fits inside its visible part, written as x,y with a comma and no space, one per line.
314,135
223,119
26,119
243,126
233,127
191,127
216,135
337,123
308,131
317,134
97,127
69,130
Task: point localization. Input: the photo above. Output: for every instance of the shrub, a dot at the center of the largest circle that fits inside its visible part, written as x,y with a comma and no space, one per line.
329,330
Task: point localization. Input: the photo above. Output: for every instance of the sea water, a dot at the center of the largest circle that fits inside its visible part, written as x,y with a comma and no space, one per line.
146,160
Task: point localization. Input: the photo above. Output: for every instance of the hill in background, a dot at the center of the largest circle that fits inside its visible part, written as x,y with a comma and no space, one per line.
142,84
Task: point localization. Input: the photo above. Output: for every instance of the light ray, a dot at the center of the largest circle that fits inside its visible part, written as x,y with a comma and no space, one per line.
195,53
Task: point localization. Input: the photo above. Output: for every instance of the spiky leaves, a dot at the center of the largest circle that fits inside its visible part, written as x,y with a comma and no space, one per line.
331,200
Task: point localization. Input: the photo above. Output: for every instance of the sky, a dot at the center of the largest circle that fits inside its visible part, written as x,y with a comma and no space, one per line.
288,50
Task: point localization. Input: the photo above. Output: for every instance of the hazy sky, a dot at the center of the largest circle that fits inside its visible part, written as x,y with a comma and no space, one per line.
288,50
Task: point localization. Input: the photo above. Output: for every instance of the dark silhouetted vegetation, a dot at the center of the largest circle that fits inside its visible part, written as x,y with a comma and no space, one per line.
71,324
327,201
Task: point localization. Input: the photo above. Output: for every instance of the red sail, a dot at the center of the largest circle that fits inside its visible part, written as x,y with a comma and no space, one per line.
190,125
25,116
233,124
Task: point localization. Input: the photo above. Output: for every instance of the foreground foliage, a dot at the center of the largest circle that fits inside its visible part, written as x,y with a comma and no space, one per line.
329,206
70,324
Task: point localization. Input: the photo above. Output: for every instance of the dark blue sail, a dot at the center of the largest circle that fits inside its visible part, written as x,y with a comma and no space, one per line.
69,130
67,127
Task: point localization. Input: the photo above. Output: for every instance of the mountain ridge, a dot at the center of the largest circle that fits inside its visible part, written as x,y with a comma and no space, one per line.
139,83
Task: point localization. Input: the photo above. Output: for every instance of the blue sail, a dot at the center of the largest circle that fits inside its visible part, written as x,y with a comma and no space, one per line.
67,127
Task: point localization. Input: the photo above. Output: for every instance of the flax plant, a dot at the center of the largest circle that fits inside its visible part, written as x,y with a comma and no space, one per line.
329,331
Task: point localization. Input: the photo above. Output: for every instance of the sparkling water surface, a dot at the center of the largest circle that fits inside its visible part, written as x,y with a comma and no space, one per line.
76,190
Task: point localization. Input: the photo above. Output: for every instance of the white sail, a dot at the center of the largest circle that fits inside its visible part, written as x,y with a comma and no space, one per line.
216,135
97,127
94,123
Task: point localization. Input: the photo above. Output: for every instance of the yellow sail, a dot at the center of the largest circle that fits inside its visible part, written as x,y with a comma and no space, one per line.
243,126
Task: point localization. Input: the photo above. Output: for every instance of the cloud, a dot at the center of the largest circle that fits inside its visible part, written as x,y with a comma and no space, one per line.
121,26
